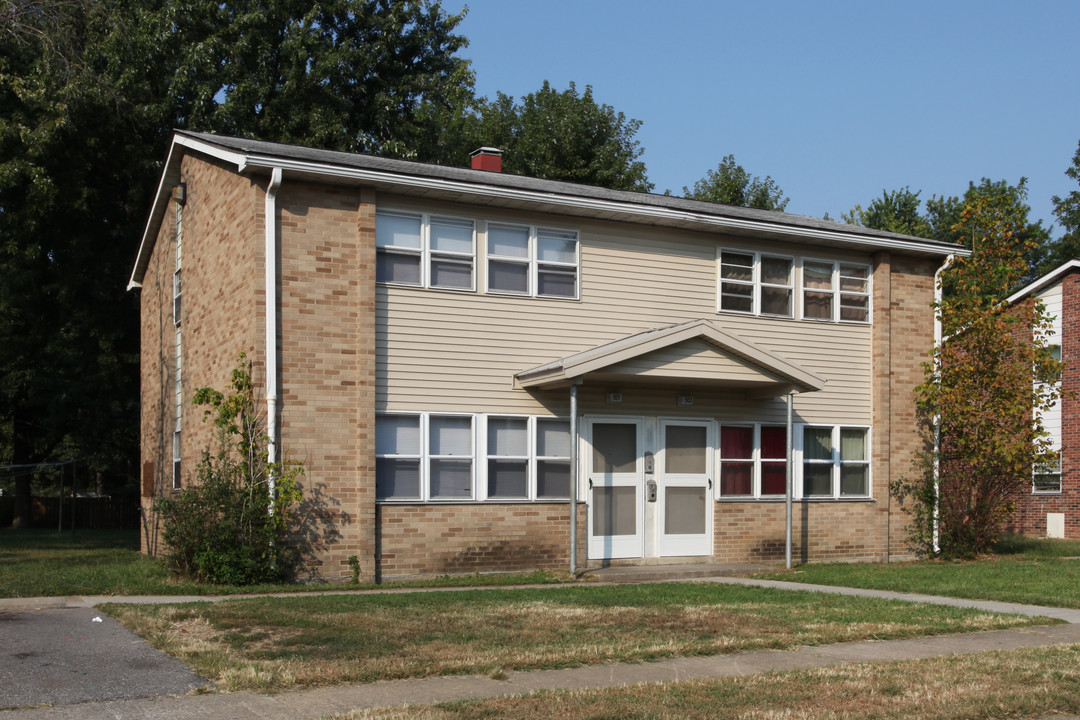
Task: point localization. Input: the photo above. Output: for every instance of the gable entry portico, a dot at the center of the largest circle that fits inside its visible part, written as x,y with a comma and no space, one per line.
650,483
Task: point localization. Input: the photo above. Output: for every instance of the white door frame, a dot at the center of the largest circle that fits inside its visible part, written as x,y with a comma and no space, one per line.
685,544
615,546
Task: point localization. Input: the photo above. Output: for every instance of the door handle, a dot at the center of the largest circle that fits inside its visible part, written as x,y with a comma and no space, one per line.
710,483
590,483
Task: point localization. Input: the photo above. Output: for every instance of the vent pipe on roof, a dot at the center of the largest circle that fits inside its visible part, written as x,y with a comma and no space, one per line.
487,158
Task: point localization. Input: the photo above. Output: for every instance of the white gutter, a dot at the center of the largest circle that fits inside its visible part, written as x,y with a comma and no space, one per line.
938,332
245,161
270,263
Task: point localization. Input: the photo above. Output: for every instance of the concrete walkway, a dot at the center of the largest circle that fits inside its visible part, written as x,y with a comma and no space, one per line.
317,703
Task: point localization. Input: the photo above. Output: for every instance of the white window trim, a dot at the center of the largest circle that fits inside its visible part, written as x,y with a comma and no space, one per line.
1035,473
835,462
755,283
835,291
479,458
756,462
425,253
797,286
532,261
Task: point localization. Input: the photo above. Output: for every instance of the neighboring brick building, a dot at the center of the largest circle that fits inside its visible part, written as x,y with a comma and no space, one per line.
1052,507
430,329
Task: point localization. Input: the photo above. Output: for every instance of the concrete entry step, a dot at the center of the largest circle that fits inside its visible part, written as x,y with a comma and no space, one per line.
661,573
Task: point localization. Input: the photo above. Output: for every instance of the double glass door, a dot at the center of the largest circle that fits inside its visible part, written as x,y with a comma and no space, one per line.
649,499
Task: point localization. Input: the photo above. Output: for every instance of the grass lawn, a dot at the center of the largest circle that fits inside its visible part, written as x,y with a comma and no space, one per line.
1022,570
45,563
305,641
1013,684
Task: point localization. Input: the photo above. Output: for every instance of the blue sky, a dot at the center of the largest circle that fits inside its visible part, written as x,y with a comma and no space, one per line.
835,100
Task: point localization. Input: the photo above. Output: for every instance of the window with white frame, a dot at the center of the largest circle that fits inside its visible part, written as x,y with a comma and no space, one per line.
835,462
430,456
753,461
756,283
528,260
424,250
835,291
1047,477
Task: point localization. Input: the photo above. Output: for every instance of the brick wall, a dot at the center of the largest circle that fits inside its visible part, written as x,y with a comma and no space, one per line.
437,539
327,349
903,340
821,531
220,257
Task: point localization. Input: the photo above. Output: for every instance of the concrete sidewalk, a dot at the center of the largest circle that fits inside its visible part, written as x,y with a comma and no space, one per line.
327,701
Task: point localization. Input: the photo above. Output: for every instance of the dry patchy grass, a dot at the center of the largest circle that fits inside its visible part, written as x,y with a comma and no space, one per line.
291,642
1007,684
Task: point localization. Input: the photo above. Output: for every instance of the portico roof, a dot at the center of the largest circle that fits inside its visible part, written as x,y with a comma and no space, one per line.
691,354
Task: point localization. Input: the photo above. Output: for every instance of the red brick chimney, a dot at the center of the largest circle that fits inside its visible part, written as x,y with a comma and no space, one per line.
487,158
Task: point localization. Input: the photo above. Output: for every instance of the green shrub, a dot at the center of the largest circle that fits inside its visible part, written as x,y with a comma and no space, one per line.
229,527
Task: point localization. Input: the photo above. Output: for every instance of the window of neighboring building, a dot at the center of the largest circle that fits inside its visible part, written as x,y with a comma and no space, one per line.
424,250
526,260
432,456
1047,477
753,461
835,462
756,283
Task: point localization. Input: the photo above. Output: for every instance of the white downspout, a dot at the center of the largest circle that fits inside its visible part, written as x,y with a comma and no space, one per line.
938,294
789,480
270,263
573,479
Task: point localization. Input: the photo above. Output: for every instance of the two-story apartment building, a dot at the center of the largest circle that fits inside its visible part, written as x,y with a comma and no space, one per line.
453,353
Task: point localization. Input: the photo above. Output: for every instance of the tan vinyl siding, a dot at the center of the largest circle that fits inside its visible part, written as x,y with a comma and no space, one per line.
459,351
695,358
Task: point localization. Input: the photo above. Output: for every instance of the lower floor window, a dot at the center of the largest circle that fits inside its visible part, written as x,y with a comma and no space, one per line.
835,462
1047,477
753,460
431,456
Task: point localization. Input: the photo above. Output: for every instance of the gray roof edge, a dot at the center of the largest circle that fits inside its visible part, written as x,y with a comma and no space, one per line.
556,188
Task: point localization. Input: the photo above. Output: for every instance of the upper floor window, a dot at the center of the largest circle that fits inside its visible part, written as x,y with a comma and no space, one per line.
835,291
756,283
762,284
526,260
424,250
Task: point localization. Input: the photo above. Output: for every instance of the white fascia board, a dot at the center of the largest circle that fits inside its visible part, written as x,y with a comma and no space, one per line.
150,231
161,198
1046,280
592,204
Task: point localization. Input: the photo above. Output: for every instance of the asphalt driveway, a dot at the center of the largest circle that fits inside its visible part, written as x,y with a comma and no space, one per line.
62,657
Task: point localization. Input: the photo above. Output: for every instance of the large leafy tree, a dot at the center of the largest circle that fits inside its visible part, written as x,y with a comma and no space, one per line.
985,391
559,135
89,92
942,218
731,184
1067,211
895,211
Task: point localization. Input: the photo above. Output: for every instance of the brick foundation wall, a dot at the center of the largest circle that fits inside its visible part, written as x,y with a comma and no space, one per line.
455,539
821,531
